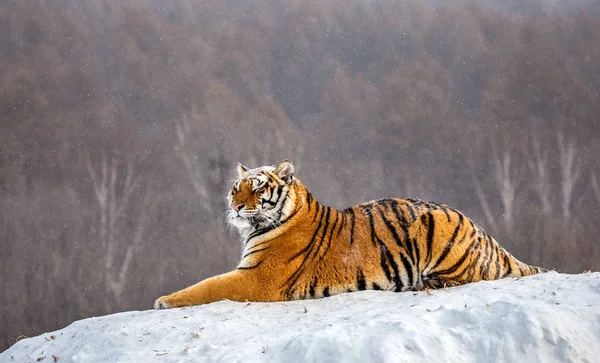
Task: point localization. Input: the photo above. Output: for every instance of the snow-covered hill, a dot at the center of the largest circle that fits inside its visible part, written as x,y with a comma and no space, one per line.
544,318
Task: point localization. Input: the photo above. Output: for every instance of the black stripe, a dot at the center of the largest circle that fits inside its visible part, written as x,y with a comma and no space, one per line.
263,200
311,290
258,232
291,215
506,263
376,287
488,254
458,263
450,244
386,257
408,267
473,225
464,237
279,193
481,253
308,246
367,210
253,252
324,232
497,274
294,277
330,235
361,284
411,212
470,268
390,259
326,292
399,216
392,229
522,269
272,189
417,251
309,199
290,294
383,260
341,224
509,270
352,225
283,197
298,272
337,215
260,244
318,211
254,222
249,267
404,225
473,232
430,233
445,210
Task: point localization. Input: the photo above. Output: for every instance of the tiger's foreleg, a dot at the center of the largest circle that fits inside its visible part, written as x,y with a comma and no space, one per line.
236,285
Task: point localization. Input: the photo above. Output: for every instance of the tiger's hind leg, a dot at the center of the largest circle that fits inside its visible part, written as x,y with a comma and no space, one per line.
436,282
453,249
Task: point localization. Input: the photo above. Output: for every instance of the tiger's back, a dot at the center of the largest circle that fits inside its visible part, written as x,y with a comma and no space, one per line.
297,248
396,245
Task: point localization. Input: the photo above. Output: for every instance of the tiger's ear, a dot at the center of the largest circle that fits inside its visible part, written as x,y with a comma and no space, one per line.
241,169
285,170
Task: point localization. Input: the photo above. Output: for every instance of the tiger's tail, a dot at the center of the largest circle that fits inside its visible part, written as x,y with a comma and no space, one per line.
509,265
519,269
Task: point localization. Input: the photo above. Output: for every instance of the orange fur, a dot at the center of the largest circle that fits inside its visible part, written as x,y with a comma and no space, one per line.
309,250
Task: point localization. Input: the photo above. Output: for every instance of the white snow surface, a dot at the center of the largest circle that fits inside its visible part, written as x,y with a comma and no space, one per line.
550,317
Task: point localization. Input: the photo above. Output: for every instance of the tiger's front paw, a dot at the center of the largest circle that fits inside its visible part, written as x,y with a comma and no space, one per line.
168,302
161,303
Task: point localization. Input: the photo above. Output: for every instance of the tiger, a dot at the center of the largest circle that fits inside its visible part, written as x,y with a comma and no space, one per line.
297,248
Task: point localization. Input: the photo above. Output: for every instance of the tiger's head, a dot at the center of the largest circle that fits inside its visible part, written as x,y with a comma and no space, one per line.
261,197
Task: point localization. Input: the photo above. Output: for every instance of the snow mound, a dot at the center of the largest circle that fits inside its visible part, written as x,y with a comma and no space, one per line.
543,318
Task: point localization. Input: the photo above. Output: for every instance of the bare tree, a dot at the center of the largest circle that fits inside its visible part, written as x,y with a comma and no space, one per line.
538,165
569,171
596,188
182,148
508,182
113,190
489,216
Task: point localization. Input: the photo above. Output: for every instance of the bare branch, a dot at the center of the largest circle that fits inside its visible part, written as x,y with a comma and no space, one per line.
98,185
182,130
481,196
538,164
569,170
129,185
507,181
595,188
143,221
114,188
112,217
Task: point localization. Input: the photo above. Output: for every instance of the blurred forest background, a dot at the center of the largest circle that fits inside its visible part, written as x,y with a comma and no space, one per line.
121,125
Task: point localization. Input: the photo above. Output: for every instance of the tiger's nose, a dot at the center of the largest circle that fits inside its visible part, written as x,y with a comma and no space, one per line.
238,206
